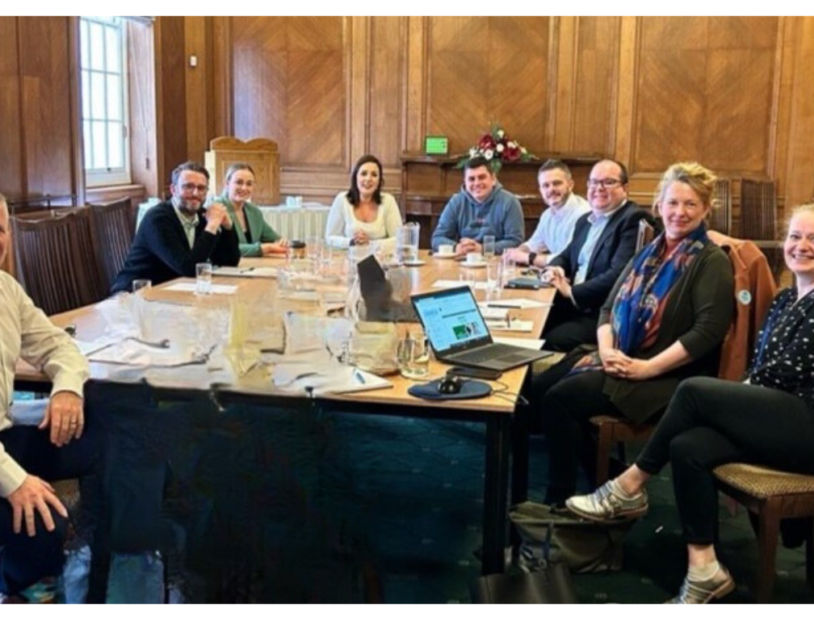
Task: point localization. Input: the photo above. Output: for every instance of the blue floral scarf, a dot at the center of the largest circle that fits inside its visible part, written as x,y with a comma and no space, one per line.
639,304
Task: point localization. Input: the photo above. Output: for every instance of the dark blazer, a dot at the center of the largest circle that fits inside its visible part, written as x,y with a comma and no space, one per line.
615,247
698,314
161,252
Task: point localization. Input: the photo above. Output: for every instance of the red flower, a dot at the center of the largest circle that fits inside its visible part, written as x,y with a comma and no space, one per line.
510,153
486,142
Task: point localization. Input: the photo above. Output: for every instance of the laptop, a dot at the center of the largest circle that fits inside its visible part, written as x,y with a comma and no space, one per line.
458,334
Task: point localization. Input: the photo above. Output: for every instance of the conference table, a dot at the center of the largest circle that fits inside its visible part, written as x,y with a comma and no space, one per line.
254,387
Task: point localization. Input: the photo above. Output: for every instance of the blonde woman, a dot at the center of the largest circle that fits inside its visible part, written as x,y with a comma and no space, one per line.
255,236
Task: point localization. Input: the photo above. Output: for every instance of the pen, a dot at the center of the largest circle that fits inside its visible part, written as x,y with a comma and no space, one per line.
494,305
247,270
359,377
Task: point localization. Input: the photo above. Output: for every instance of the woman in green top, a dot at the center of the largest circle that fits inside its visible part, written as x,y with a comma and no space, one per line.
256,238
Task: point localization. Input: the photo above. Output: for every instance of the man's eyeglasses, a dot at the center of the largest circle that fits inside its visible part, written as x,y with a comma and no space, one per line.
606,183
192,187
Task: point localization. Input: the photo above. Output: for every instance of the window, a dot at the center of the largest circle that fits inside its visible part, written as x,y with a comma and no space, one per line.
103,64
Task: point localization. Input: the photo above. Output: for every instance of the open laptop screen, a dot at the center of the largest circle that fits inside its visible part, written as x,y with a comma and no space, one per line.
451,319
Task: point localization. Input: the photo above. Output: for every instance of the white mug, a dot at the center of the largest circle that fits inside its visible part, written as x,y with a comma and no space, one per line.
446,249
474,258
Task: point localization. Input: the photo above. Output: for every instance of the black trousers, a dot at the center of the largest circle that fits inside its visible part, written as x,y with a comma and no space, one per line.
710,422
566,328
25,559
565,405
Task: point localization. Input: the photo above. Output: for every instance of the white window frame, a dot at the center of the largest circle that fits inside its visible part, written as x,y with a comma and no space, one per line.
97,177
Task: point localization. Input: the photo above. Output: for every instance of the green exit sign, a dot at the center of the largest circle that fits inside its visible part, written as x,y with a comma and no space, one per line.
436,145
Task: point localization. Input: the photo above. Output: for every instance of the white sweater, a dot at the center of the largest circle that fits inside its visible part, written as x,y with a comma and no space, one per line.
342,223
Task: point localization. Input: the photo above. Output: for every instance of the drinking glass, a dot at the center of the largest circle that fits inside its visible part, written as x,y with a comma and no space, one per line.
203,278
413,355
488,247
509,270
494,272
407,242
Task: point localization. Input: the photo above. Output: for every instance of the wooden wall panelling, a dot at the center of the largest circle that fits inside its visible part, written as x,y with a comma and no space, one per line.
484,70
386,94
77,151
171,98
11,160
222,58
800,163
197,81
46,119
415,75
358,88
621,133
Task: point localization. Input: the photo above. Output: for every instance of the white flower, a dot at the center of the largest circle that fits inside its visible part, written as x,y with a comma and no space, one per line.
523,150
499,148
473,151
500,133
512,144
488,154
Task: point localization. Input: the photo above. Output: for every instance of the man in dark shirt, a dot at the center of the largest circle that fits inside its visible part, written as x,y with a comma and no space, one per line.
177,234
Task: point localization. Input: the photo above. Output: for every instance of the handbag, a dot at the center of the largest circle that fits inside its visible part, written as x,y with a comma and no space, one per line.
554,537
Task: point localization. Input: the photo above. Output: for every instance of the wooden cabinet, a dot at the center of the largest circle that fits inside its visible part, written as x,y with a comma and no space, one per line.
428,182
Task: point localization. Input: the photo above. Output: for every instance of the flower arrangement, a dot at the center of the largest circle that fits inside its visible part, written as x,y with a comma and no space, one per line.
497,148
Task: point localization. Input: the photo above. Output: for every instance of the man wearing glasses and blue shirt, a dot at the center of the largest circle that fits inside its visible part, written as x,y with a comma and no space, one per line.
585,271
177,234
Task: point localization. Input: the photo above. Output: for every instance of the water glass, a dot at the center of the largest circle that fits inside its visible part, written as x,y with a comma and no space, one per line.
413,355
509,270
407,242
494,274
203,278
488,247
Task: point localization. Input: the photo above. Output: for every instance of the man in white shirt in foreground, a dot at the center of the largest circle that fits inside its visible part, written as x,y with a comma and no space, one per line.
33,521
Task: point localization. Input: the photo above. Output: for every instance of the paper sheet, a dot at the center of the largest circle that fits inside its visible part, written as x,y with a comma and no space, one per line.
518,303
516,325
326,379
189,287
130,352
527,343
481,286
246,272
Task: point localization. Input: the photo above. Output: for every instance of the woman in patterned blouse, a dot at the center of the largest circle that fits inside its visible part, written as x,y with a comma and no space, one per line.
767,420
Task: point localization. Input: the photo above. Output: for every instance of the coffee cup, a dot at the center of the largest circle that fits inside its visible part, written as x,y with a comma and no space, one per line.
446,249
474,258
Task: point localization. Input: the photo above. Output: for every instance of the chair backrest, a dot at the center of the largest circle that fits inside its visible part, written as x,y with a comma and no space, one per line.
56,261
261,154
114,227
645,234
720,218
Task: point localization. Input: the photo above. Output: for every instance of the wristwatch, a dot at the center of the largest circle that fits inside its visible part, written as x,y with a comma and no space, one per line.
532,256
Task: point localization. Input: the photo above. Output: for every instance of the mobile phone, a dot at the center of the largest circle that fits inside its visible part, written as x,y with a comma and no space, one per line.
525,283
478,373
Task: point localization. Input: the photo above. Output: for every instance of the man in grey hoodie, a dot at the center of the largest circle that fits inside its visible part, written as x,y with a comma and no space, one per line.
481,208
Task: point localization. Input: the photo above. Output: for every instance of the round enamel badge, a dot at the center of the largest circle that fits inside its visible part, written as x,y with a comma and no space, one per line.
745,297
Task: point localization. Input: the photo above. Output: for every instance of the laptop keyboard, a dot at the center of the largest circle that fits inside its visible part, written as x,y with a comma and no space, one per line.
498,351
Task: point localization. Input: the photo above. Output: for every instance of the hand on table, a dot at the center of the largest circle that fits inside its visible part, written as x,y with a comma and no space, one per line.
467,245
277,247
517,255
360,238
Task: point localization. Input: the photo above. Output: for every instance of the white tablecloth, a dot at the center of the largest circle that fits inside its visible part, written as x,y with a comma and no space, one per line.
290,222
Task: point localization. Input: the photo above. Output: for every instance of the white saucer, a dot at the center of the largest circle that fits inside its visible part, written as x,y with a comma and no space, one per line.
483,263
444,256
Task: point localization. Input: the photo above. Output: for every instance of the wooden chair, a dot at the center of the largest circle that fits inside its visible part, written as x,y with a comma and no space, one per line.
114,228
261,154
772,495
55,261
611,431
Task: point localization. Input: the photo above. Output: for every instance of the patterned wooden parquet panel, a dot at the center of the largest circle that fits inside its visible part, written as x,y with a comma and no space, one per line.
482,70
704,92
289,85
386,59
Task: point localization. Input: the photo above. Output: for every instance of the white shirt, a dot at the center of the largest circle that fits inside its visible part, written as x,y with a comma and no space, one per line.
189,224
342,224
556,226
25,332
